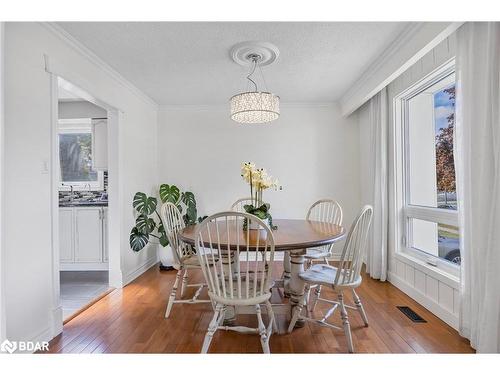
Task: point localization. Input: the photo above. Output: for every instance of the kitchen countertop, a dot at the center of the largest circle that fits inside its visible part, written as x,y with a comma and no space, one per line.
96,203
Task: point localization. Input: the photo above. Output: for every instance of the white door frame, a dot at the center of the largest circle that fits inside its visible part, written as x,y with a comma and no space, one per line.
115,116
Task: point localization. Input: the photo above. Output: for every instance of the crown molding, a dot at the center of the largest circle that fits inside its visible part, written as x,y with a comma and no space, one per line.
332,104
208,107
412,44
97,61
391,50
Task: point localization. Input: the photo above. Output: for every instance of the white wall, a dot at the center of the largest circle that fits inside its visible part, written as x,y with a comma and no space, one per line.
2,256
432,289
27,232
80,109
312,150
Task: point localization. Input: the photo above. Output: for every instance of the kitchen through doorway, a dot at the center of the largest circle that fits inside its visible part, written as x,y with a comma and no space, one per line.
82,192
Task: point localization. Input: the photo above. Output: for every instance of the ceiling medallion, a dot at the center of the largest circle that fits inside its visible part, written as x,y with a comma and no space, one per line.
255,107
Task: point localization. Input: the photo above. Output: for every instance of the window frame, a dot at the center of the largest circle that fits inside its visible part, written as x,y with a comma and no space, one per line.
72,126
406,210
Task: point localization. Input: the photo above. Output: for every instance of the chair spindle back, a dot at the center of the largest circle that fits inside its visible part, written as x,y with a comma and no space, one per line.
220,242
327,211
173,223
238,206
351,259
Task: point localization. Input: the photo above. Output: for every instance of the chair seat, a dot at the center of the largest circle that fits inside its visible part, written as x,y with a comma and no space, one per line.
325,275
244,300
317,253
191,261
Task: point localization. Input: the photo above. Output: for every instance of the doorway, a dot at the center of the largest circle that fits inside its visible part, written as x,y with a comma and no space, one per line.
86,256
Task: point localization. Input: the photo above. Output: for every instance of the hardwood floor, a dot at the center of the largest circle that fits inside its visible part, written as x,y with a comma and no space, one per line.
131,320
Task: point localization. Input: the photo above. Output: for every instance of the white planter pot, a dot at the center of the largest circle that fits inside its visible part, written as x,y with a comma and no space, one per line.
253,225
166,256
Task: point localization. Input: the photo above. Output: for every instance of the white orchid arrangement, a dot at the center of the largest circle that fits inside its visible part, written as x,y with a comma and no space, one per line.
259,180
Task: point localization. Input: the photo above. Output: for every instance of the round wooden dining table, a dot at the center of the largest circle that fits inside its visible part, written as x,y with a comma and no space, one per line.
293,237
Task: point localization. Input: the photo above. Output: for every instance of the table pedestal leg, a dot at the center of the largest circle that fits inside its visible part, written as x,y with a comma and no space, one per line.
286,274
296,285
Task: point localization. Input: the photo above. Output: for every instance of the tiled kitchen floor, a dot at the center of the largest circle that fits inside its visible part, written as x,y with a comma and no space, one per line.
78,288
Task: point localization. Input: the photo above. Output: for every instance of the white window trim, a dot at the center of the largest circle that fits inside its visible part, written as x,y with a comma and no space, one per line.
442,269
68,126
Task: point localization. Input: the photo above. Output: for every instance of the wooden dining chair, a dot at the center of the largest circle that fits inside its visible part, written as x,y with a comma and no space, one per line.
347,276
325,211
184,257
246,284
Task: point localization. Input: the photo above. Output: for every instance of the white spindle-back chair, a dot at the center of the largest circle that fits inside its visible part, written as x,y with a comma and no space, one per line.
238,206
347,276
184,256
240,203
246,284
325,211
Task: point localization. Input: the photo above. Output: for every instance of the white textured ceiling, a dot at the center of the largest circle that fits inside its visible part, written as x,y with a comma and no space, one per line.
181,63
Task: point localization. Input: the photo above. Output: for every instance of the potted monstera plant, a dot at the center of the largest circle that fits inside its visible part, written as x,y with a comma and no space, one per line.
148,225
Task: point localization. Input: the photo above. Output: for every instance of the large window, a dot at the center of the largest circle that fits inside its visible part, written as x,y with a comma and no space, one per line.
75,156
426,116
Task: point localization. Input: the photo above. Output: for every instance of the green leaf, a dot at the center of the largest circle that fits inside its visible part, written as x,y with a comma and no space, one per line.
138,240
188,199
164,241
265,207
144,204
163,235
191,214
249,208
260,214
145,224
169,193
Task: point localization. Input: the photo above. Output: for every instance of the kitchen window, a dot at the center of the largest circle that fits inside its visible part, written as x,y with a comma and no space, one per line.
75,156
425,117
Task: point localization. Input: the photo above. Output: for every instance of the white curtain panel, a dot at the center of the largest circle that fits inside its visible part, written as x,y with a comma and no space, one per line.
376,259
478,182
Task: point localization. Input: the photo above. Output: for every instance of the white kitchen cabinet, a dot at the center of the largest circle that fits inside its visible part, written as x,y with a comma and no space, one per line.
66,234
83,238
88,234
99,144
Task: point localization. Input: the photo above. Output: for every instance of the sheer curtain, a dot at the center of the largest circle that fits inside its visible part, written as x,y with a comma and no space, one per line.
478,182
376,260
